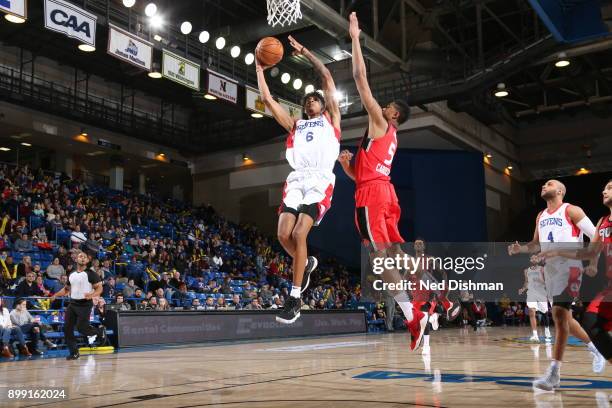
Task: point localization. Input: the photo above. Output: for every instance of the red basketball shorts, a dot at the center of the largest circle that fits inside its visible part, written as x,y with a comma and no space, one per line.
377,214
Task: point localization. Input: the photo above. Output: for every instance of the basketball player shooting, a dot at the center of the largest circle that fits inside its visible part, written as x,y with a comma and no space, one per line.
377,210
313,146
565,224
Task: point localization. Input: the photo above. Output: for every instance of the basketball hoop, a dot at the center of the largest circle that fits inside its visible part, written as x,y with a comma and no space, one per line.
283,12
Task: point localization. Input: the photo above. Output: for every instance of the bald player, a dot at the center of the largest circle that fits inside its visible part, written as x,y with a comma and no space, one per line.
559,225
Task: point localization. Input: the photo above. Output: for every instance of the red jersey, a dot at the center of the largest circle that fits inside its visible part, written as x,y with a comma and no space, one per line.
374,157
605,235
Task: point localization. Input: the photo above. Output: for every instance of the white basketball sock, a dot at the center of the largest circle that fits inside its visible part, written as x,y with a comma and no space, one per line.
295,292
404,303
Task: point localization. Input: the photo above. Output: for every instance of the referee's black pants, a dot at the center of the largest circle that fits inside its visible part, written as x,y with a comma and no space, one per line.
77,314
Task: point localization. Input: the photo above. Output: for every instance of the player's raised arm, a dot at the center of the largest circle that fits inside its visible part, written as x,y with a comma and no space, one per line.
361,80
280,114
328,85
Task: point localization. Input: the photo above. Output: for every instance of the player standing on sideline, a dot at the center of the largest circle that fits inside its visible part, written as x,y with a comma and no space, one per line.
559,223
597,320
378,212
83,284
537,301
313,146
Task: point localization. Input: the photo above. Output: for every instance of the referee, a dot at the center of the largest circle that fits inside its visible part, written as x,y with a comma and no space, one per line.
83,284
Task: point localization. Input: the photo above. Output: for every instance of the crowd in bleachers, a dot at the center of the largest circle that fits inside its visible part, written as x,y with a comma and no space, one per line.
151,254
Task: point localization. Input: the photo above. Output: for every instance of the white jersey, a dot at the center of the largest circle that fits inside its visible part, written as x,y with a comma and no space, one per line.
557,232
535,278
313,145
557,227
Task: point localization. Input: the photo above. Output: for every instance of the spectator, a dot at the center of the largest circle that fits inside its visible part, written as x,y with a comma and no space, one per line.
8,330
163,304
129,288
176,279
119,300
23,244
217,261
162,283
181,296
198,285
195,305
221,305
278,303
379,312
58,285
23,319
210,303
41,286
100,309
55,270
24,267
211,287
236,304
226,287
28,287
254,305
77,237
109,290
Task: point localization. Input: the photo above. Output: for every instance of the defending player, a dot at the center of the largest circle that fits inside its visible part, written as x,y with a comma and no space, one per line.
313,146
559,224
378,211
537,301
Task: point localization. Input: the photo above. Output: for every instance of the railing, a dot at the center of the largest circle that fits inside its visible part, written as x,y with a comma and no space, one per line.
22,88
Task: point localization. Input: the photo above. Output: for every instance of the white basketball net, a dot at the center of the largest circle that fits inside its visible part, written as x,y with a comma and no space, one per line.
283,12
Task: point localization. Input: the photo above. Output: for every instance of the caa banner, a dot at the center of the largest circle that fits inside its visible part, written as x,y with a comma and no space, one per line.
180,70
222,87
130,48
295,111
254,103
68,19
14,7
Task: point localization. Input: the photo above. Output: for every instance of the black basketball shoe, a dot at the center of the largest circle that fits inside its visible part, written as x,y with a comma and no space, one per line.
311,265
291,311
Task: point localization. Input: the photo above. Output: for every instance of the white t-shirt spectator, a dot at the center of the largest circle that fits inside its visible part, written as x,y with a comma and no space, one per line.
217,261
78,237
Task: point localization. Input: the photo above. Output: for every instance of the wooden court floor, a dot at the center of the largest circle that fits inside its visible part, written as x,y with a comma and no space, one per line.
465,369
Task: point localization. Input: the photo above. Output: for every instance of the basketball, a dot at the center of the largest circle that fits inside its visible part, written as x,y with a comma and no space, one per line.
269,51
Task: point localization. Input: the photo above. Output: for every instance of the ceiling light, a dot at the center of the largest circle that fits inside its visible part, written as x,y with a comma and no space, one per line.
220,43
249,58
257,115
297,84
26,144
129,3
309,88
156,21
157,37
285,78
155,74
86,48
235,51
488,155
339,95
204,37
562,60
186,27
5,149
274,72
150,10
501,90
245,157
14,19
509,167
210,97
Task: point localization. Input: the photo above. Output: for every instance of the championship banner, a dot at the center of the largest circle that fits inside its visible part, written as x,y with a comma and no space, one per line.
129,48
295,111
222,87
180,70
254,103
68,19
15,7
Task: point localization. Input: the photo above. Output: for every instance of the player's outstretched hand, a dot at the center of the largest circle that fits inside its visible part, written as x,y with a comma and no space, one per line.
297,47
258,66
354,25
345,156
591,271
514,249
